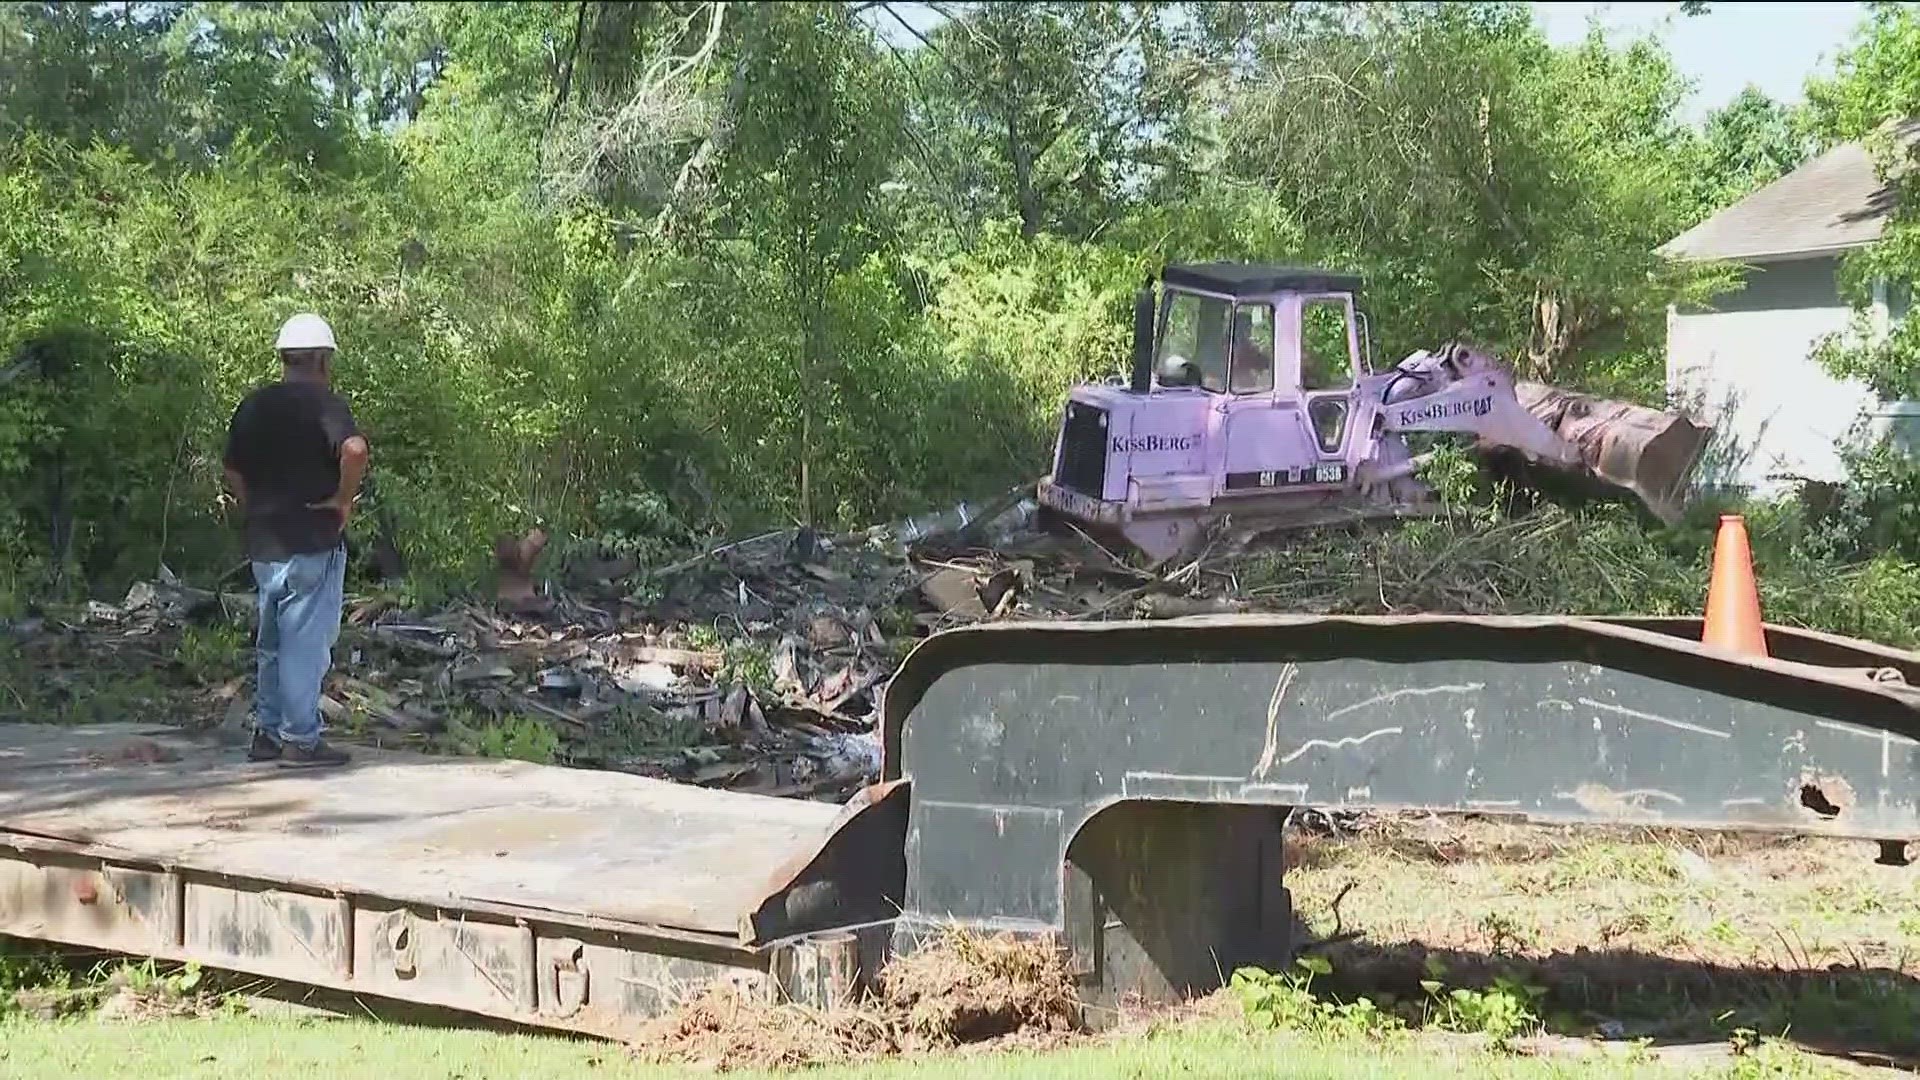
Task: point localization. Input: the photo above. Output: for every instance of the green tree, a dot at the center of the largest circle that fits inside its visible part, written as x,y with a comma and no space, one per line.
86,72
1494,187
817,131
1750,142
1037,109
369,61
173,83
1874,97
641,270
1874,81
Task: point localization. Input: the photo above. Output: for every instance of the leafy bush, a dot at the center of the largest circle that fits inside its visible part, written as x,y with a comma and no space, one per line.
1875,512
1501,1012
520,737
1287,1001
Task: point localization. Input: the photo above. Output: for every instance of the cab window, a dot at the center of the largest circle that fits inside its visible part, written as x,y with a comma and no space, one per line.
1193,347
1325,363
1251,356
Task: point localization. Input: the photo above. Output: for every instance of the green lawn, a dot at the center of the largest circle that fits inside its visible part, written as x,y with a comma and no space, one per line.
250,1048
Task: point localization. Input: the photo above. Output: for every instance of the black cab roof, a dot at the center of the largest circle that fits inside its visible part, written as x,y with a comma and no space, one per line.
1246,279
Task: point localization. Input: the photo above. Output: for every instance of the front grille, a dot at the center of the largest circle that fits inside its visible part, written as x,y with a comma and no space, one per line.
1083,450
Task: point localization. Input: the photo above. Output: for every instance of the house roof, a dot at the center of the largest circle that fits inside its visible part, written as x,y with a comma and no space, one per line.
1247,279
1832,203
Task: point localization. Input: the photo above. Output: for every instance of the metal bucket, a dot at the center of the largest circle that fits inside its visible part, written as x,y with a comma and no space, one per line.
1646,451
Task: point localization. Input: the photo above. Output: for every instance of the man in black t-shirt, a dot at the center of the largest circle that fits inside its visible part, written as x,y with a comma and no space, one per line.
294,462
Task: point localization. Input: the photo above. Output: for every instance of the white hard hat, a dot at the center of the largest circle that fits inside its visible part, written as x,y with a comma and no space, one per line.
305,331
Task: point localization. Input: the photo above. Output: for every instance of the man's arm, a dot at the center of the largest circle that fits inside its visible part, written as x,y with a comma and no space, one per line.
237,485
353,468
230,458
351,447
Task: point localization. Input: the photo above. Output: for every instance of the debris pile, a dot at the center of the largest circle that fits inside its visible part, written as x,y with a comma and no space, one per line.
969,987
961,989
773,709
721,1028
758,665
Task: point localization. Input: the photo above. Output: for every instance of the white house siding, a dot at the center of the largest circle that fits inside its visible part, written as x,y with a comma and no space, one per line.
1748,362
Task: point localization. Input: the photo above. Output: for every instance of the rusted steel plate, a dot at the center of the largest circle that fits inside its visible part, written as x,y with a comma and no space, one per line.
280,934
411,828
445,959
543,972
1825,669
81,902
857,876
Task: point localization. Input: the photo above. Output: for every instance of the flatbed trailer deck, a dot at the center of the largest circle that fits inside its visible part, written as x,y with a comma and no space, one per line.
446,881
1119,787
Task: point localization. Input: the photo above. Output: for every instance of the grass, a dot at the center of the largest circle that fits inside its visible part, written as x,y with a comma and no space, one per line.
1593,560
1666,934
248,1047
1720,900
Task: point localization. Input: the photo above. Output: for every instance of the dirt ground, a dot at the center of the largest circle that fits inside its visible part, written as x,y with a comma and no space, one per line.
1714,941
1632,932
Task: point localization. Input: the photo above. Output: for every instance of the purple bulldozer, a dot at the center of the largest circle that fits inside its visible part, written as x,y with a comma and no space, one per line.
1253,402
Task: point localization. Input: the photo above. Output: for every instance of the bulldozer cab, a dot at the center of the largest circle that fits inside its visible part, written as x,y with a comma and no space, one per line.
1281,346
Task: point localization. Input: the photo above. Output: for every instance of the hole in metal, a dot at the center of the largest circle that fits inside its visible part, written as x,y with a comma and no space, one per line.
1816,800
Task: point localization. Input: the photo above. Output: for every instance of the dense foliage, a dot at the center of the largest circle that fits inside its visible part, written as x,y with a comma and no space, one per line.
646,271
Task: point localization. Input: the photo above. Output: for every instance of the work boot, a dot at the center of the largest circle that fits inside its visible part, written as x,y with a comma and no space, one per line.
307,757
264,747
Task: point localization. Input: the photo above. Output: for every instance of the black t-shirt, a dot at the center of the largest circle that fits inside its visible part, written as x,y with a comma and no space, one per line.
284,441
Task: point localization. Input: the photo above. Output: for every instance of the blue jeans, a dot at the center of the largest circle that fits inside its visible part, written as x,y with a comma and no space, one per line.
299,604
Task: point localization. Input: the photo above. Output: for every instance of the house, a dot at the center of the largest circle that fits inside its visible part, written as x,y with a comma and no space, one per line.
1746,359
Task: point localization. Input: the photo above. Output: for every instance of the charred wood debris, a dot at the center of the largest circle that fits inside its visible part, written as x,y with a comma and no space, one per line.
757,665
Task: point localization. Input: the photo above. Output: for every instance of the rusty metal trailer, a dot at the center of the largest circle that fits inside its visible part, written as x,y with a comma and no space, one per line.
1121,787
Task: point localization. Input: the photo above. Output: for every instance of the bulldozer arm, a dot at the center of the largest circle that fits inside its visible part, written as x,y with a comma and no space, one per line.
1460,390
1607,446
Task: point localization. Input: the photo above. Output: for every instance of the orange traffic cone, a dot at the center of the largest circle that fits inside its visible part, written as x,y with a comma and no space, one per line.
1733,598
